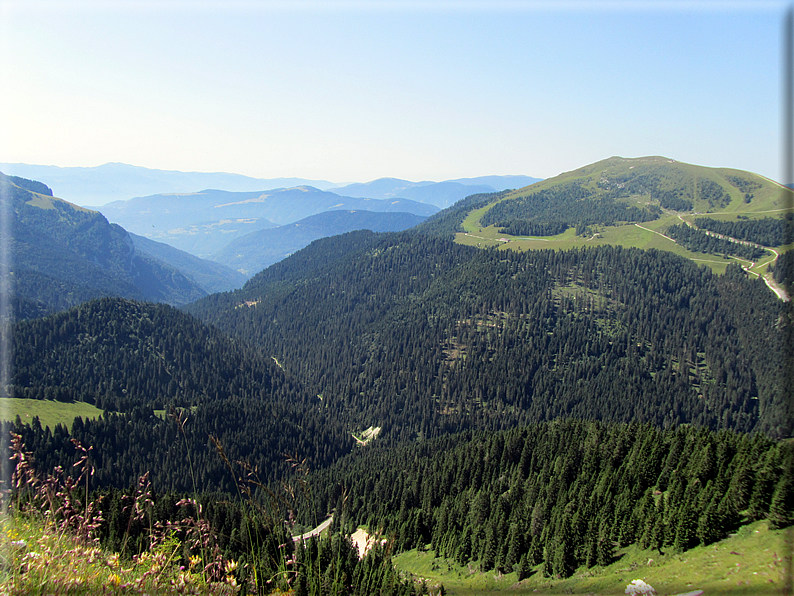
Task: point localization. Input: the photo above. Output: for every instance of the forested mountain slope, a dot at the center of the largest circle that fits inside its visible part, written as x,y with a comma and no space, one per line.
418,336
209,275
258,250
62,255
202,223
565,493
421,336
120,354
132,358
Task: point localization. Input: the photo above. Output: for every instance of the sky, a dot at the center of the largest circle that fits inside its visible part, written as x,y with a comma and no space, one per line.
359,90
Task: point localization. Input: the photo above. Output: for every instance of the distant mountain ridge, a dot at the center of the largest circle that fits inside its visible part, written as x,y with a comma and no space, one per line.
441,194
253,252
113,181
203,223
211,276
169,207
61,255
99,185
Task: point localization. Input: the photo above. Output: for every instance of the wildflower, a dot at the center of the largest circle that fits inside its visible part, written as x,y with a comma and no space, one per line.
231,566
142,558
114,580
194,560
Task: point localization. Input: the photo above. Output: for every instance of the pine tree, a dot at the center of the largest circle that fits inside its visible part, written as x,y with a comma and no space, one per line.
563,561
604,548
685,529
515,547
524,568
488,550
765,480
781,510
710,527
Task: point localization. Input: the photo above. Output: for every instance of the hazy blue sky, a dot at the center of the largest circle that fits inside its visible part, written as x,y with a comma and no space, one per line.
353,91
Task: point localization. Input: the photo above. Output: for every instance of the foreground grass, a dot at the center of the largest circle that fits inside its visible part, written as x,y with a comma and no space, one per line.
748,563
49,412
35,558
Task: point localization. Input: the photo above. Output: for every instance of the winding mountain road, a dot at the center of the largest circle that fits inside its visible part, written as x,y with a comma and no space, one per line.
315,532
779,291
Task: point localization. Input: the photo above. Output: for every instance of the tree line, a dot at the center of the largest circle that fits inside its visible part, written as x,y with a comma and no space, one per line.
565,493
767,231
699,241
570,203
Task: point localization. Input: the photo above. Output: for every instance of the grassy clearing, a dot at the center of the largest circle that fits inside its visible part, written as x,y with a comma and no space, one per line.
363,438
472,221
646,237
748,563
49,412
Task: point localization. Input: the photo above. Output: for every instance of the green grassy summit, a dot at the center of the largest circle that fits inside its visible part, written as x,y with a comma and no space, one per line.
630,202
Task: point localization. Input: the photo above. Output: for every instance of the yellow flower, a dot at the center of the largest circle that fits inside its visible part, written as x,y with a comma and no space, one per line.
231,566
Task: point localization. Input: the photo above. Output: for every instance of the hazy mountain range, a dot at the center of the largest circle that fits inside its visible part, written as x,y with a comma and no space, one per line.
203,223
98,185
61,254
256,251
170,207
113,181
440,194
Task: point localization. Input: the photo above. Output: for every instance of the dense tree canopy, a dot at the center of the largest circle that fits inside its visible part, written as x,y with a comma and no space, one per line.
767,231
565,493
701,241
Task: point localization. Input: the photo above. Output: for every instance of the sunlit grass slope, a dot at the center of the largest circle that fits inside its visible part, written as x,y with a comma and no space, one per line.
750,562
751,196
38,558
49,412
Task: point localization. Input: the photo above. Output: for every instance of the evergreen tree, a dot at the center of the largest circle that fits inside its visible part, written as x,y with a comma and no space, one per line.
524,567
781,509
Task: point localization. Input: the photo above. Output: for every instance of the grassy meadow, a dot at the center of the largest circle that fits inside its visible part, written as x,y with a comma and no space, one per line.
645,236
49,412
768,200
751,562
